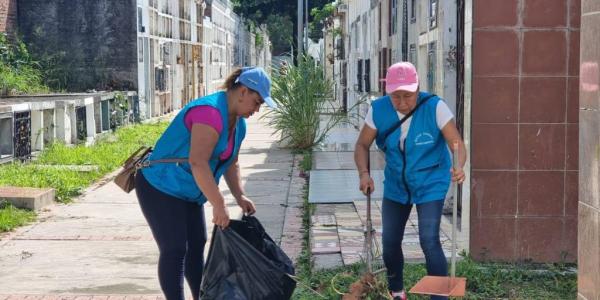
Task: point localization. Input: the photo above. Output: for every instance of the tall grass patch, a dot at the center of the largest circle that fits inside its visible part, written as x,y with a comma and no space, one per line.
303,94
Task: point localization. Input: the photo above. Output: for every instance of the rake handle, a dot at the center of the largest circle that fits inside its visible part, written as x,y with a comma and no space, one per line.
369,224
454,211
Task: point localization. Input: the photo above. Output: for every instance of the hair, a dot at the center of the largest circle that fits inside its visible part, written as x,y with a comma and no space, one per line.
230,83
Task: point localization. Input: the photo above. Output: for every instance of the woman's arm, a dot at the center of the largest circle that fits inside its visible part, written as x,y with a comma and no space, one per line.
203,141
234,181
452,137
361,155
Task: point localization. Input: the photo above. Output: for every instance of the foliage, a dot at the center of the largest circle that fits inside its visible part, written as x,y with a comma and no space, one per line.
303,95
279,15
119,110
11,217
18,72
107,153
319,16
281,32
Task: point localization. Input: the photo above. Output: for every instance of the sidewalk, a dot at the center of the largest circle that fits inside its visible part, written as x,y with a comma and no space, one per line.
101,246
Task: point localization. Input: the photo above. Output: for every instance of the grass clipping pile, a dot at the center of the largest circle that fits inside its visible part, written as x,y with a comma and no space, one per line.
368,286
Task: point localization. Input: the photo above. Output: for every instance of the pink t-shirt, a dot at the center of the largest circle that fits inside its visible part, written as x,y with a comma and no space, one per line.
210,116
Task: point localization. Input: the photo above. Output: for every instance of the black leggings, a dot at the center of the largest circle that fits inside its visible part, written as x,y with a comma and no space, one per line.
180,231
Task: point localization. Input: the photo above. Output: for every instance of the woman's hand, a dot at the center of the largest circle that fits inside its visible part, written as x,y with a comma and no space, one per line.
220,216
366,183
458,175
247,205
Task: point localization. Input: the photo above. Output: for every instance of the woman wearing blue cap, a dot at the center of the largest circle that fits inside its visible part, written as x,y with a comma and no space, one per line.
207,134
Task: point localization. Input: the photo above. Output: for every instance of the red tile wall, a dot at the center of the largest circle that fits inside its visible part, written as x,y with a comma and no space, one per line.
524,147
8,16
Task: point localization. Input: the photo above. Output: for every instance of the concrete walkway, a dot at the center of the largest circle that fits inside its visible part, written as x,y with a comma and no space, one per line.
101,246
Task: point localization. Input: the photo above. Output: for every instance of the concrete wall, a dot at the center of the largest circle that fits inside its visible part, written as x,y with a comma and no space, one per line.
524,130
94,41
8,16
589,153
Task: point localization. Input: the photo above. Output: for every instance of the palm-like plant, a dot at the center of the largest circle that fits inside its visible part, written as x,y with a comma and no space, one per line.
303,94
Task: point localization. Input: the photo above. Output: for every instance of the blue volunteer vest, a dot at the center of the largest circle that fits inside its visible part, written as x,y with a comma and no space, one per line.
177,179
420,173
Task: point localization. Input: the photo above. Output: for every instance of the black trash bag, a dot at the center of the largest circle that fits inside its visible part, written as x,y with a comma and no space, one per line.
254,233
240,265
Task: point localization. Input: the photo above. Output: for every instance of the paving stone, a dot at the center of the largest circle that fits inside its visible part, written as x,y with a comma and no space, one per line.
325,250
344,160
323,220
327,261
339,186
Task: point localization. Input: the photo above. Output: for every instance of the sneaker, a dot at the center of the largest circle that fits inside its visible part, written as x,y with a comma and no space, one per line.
398,295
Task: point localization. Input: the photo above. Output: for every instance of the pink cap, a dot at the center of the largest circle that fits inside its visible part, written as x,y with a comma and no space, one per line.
401,76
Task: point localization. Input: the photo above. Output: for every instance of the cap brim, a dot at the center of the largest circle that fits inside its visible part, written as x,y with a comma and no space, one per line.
270,103
390,88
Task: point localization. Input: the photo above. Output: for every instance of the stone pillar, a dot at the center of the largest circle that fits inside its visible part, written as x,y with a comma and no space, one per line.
588,272
98,116
37,130
90,119
63,122
73,121
49,126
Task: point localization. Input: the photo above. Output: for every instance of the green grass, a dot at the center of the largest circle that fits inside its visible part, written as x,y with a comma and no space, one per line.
107,153
306,163
484,281
11,217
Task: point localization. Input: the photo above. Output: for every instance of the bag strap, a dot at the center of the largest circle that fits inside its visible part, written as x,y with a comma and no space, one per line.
148,163
134,155
393,128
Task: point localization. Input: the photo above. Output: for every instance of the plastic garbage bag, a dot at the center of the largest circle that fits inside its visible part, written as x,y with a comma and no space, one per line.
245,264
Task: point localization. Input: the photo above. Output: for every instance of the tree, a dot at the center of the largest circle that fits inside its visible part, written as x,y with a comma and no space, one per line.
280,17
281,32
320,15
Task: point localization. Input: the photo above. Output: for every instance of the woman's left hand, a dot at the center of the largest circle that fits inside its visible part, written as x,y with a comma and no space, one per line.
458,175
247,205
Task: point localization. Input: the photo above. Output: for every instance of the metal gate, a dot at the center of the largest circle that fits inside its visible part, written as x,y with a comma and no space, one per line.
81,123
22,137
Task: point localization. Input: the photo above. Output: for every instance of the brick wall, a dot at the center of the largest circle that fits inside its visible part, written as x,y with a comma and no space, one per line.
525,130
8,16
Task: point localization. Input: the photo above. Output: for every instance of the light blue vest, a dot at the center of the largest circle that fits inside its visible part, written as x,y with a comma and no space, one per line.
177,179
420,173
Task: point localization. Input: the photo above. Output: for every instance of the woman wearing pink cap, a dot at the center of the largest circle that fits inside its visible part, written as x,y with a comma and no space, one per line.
414,129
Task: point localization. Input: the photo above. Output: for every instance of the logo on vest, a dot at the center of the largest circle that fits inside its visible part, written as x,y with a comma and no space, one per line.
423,138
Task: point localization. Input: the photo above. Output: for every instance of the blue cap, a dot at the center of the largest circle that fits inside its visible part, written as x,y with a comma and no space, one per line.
257,79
